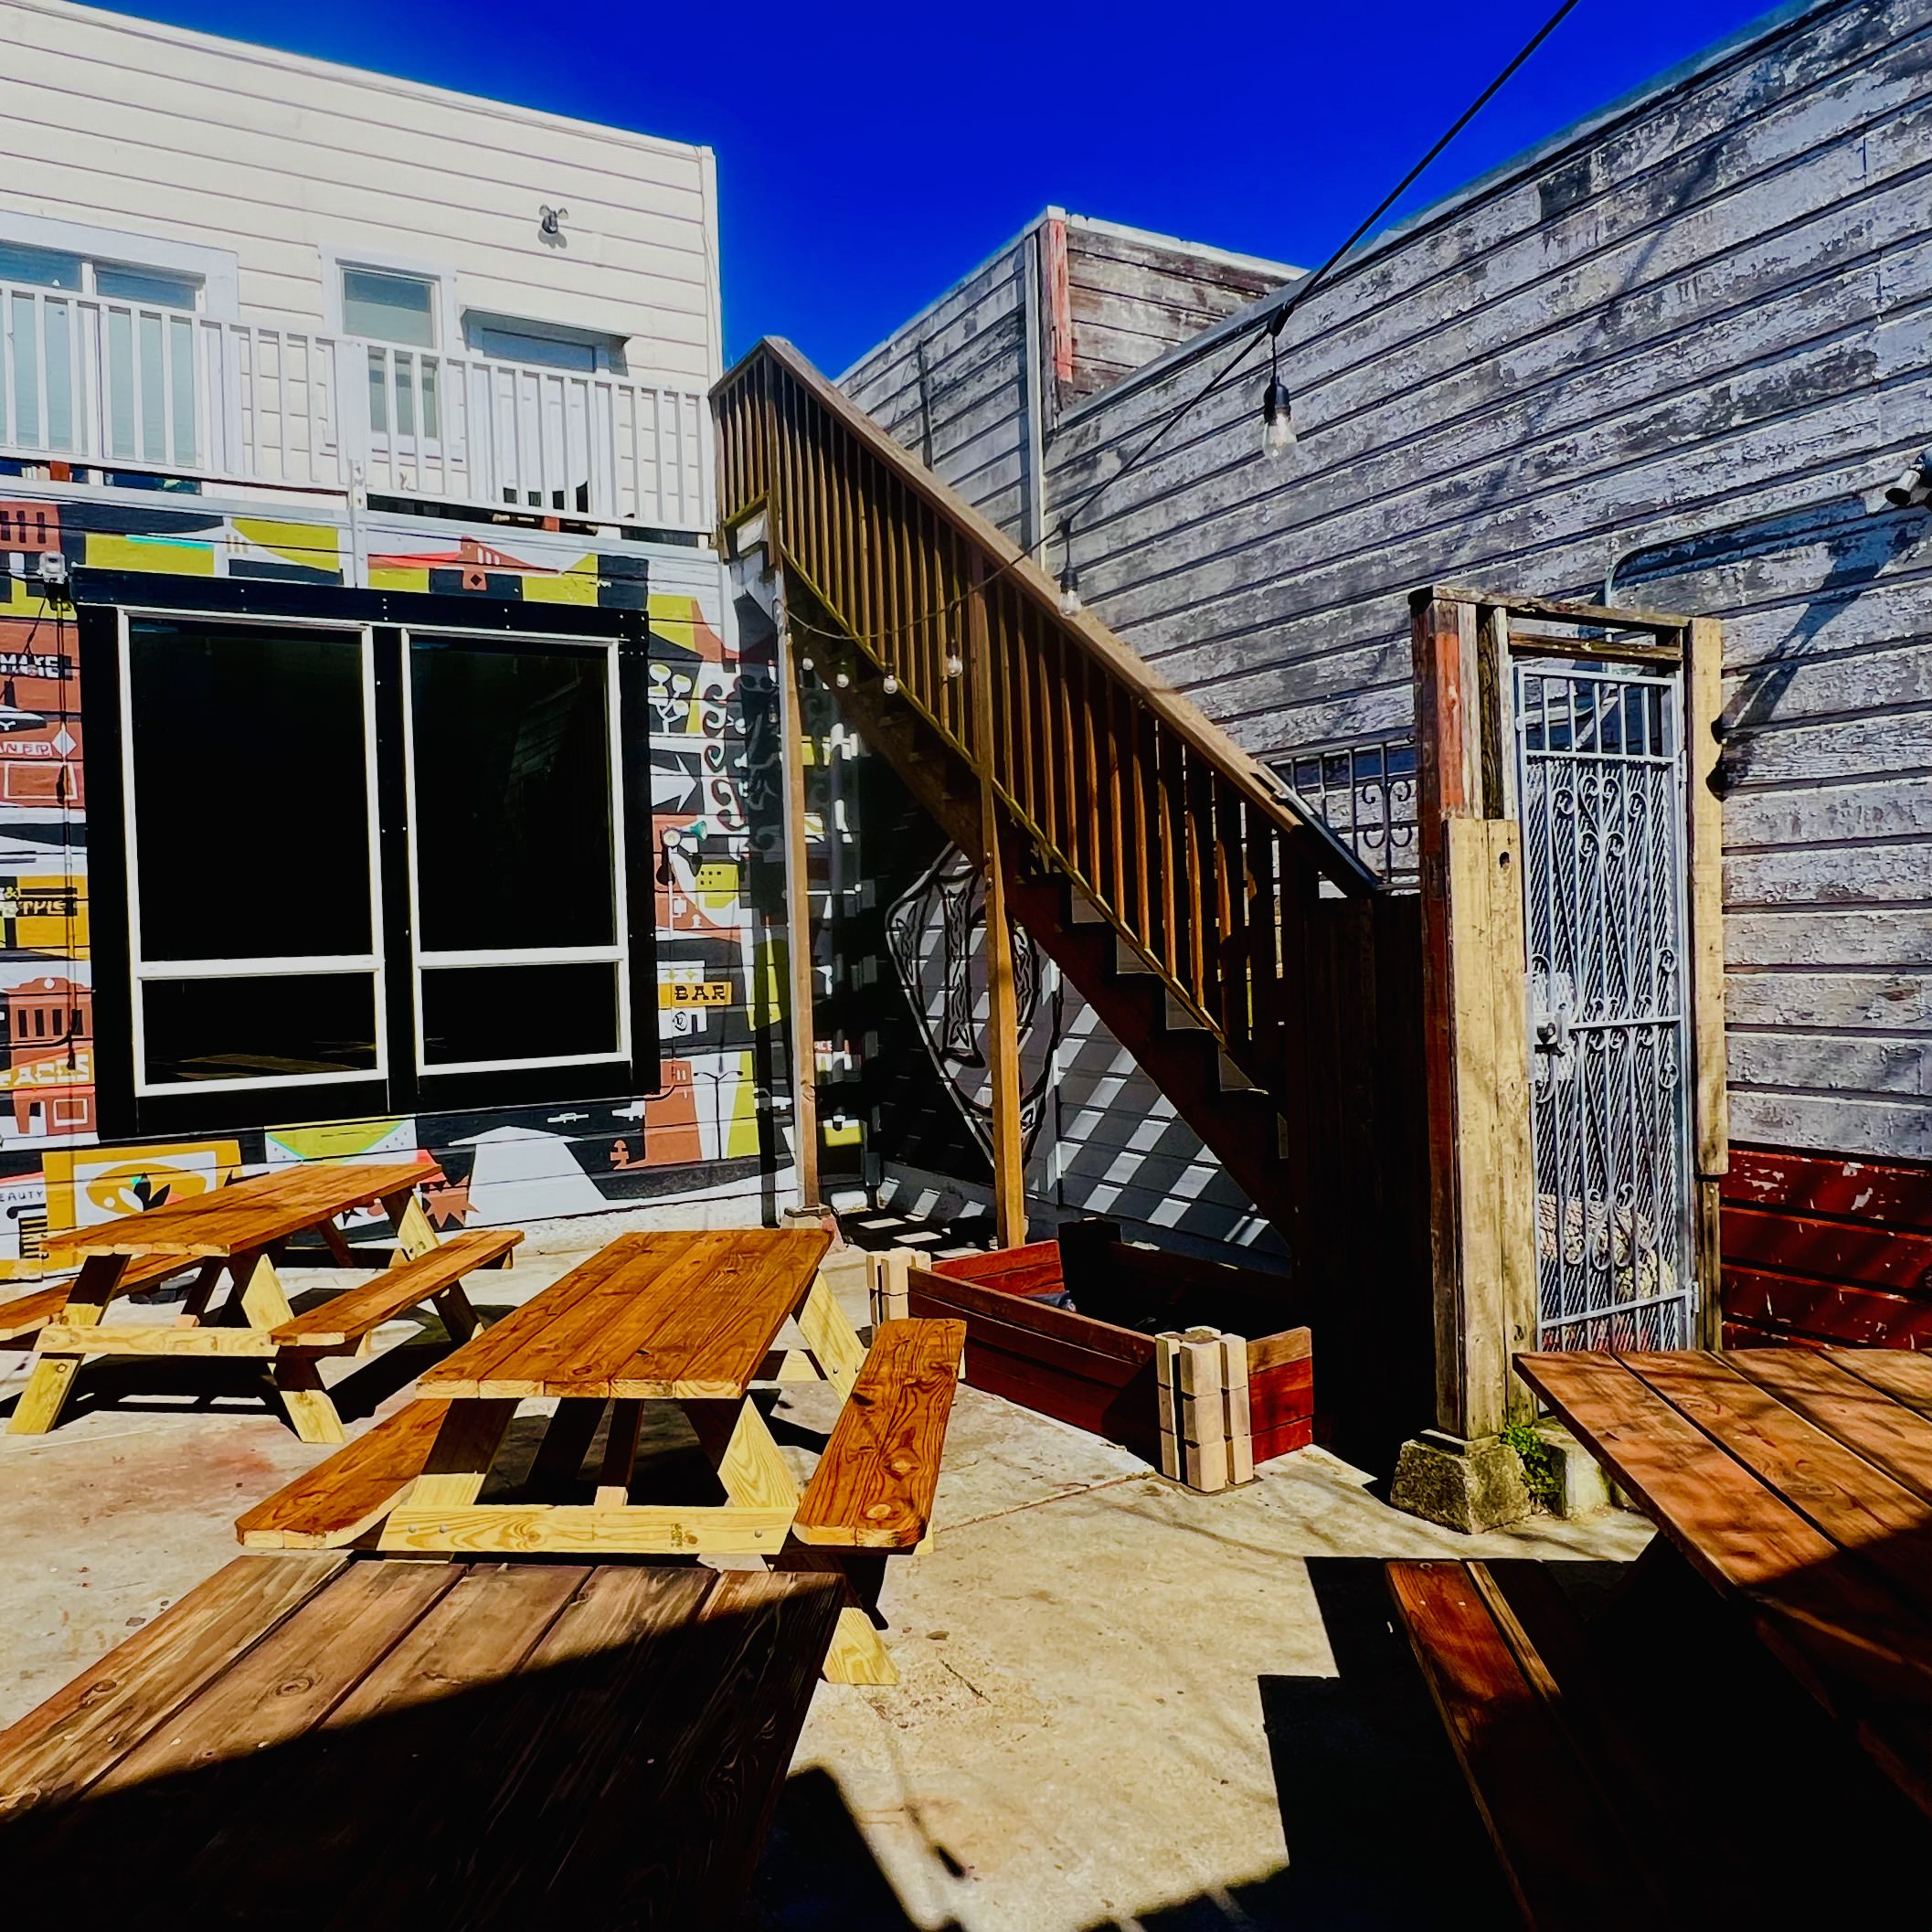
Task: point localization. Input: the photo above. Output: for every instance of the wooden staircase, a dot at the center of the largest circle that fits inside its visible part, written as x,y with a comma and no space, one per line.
1254,967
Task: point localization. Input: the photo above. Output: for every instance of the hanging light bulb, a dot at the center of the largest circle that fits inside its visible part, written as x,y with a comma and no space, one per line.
1277,419
841,680
1070,577
889,685
804,664
955,664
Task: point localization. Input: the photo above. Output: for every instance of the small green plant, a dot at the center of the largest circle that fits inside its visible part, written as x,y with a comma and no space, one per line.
1538,1460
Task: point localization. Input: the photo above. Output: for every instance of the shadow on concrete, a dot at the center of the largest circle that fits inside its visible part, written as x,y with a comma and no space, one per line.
1382,1835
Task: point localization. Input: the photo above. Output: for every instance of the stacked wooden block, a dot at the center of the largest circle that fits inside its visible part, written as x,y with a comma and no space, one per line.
891,1273
1206,1440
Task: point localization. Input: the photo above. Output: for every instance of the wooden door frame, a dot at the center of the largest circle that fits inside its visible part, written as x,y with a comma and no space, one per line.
1483,1209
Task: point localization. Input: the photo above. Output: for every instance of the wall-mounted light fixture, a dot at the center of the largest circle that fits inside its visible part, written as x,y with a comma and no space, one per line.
550,226
1910,490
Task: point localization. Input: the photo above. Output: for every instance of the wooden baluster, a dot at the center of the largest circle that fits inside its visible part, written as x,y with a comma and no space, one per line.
1140,736
1204,926
1094,858
1232,884
1264,940
1118,712
1169,857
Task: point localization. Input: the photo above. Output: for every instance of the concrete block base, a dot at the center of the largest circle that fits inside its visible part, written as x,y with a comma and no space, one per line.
1463,1485
1582,1487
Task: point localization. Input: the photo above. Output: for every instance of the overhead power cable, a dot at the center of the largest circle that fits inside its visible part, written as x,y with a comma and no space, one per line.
1273,323
1267,326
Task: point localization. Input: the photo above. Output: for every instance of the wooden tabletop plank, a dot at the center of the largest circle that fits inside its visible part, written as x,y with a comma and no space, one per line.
60,1748
1737,1534
1902,1374
714,1343
1859,1507
294,1677
249,1214
669,1315
515,1351
1887,1433
603,1638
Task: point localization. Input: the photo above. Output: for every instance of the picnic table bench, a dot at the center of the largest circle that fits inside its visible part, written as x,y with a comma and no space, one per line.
330,1741
1688,1754
235,1234
688,1318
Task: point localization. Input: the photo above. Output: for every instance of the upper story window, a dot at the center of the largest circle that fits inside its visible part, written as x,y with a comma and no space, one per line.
380,305
551,345
83,274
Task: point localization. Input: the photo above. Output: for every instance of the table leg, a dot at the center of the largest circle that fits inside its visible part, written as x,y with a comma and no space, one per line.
414,1235
297,1376
559,1459
749,1463
857,1653
614,1479
52,1380
459,1315
831,1337
196,1303
465,1446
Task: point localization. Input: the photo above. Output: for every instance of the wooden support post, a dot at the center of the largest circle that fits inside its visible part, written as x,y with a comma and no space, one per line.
52,1380
797,925
1481,1185
1709,1122
1002,1019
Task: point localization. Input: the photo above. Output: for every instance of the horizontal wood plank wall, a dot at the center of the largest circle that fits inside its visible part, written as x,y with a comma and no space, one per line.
952,388
1133,296
274,157
1713,308
1822,1252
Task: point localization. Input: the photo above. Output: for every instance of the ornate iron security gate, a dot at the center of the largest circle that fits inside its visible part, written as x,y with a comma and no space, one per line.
1599,783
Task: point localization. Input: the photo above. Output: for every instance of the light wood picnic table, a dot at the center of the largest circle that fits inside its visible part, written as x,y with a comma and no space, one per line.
683,1318
672,1317
1798,1484
234,1233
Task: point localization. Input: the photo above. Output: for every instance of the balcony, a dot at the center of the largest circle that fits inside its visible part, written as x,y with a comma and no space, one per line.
115,385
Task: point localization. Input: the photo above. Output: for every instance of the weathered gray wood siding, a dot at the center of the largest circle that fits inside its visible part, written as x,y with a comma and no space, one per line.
951,385
1707,313
1132,297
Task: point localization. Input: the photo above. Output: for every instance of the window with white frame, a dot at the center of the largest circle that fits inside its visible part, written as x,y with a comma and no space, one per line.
248,758
542,344
395,314
516,852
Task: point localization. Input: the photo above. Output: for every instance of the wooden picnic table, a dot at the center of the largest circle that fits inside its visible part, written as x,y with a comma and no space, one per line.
325,1741
693,1319
1799,1484
234,1233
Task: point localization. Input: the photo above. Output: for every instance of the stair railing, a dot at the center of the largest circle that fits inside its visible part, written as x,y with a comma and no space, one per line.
1201,859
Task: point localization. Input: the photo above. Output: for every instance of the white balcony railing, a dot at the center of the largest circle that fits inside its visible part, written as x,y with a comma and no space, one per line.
121,386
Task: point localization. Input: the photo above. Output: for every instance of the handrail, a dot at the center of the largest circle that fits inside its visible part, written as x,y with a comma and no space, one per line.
1263,788
1202,860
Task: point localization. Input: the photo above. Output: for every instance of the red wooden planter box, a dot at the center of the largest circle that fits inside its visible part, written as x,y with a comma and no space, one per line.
1100,1376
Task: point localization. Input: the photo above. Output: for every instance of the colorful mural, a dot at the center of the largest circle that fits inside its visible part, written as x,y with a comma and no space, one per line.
711,1126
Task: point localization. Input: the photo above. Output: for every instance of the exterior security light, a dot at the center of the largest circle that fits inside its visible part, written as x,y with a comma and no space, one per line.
1913,486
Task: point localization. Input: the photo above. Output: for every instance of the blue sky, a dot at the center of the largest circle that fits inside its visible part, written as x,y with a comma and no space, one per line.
870,154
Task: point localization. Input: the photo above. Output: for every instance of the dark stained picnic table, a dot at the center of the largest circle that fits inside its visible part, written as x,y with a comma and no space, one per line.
1796,1482
319,1741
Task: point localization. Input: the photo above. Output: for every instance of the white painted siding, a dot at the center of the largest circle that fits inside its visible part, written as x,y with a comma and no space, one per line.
277,158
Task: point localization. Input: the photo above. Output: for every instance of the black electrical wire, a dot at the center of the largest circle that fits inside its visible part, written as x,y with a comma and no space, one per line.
1273,323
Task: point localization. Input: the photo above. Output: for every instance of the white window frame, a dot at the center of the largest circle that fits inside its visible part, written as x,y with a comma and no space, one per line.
449,332
216,269
617,955
342,965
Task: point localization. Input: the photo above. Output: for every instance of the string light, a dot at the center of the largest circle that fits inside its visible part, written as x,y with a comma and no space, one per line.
1278,417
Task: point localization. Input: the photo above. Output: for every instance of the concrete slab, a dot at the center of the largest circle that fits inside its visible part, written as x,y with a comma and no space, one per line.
1122,1703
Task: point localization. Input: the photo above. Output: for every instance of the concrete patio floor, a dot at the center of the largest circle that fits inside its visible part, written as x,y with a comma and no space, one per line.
1121,1705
